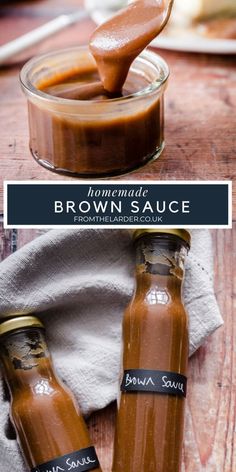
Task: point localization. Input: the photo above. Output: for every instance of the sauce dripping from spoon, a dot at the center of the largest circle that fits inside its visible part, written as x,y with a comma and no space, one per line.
117,42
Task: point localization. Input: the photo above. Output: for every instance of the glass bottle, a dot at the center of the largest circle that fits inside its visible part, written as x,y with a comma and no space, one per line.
50,429
150,421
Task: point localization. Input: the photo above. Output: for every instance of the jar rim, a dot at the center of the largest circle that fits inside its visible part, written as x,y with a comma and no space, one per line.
154,86
18,322
183,234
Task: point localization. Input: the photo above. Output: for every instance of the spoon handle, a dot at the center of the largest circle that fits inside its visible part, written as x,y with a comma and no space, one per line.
39,34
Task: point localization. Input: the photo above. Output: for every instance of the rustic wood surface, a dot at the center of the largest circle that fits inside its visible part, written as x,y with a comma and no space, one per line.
201,143
200,105
210,441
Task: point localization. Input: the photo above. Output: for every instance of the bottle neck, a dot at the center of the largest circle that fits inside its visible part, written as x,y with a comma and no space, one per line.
160,266
25,359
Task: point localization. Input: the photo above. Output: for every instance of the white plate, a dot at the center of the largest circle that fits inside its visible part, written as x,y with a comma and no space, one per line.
196,44
188,43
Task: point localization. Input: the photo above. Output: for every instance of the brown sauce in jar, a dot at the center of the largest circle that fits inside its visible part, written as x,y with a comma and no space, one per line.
108,142
86,85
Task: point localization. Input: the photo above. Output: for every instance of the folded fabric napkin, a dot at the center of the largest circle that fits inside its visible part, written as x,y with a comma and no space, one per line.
79,282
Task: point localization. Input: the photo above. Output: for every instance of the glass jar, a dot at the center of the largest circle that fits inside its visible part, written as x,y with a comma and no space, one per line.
50,429
150,421
94,138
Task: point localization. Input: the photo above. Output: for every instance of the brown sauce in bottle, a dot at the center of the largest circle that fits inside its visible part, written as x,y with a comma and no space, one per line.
149,428
44,412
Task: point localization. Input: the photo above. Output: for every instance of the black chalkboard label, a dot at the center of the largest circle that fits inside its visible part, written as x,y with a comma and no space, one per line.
79,461
156,381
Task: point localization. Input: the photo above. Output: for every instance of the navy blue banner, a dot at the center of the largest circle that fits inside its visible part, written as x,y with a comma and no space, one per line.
122,204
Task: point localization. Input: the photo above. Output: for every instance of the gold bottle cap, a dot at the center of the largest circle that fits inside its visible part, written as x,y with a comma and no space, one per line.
19,322
181,233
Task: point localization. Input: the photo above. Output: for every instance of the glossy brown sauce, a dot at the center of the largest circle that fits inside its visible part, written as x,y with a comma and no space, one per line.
117,42
43,410
149,428
111,142
108,141
80,85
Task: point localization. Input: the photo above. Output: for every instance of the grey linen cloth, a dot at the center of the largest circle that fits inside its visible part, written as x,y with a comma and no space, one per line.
79,282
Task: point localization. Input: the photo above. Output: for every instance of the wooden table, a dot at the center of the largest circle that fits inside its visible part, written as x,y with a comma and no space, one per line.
201,144
210,440
200,105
